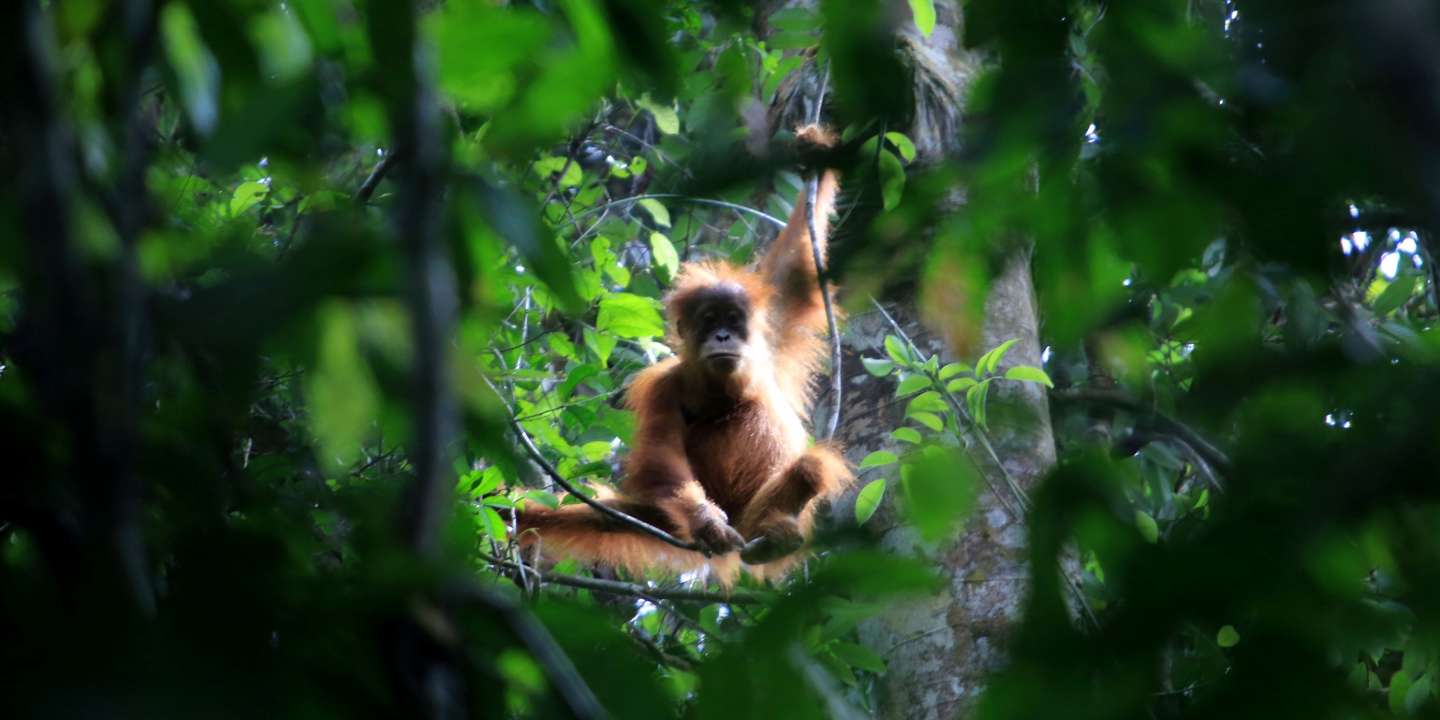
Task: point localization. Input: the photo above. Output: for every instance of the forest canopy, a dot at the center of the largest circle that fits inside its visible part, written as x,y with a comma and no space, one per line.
302,300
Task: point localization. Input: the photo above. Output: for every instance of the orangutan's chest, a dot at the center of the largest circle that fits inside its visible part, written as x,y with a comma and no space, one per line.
734,455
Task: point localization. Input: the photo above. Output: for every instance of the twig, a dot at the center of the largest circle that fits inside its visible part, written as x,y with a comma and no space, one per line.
665,658
628,589
553,474
377,174
812,192
777,222
1165,423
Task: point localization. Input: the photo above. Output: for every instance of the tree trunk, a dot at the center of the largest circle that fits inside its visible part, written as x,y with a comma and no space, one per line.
939,650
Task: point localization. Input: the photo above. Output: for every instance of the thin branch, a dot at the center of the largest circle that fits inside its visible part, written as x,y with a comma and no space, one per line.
1171,426
777,222
663,657
553,474
812,191
372,181
628,589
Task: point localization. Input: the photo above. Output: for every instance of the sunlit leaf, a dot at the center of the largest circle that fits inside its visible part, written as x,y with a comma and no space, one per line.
658,213
662,252
911,384
879,458
867,501
940,489
630,316
1029,374
924,13
877,367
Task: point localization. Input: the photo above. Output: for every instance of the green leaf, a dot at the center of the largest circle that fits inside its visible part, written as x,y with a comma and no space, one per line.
952,369
929,420
662,253
195,68
859,656
902,144
494,524
961,384
542,498
1147,527
940,489
991,360
892,179
924,12
897,351
1397,294
667,120
906,435
601,345
1228,637
879,458
911,384
630,316
878,367
658,213
1418,695
246,196
868,500
342,392
547,167
929,401
1399,688
1029,373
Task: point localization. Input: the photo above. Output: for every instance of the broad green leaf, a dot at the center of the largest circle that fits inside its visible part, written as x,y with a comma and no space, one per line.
929,401
1399,688
630,316
859,656
906,435
494,524
868,500
902,144
1227,637
246,196
912,384
929,420
601,345
878,367
662,252
924,13
542,498
959,385
1419,694
658,213
1398,292
341,390
892,179
666,119
940,489
897,351
991,360
546,168
950,370
879,458
1029,373
1147,527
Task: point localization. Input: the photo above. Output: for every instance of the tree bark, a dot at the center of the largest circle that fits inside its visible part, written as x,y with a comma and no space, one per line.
939,650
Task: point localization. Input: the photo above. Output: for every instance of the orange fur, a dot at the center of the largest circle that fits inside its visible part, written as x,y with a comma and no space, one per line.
715,456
